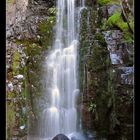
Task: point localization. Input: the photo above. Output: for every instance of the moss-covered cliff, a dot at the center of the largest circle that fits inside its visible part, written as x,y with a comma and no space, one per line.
28,39
106,70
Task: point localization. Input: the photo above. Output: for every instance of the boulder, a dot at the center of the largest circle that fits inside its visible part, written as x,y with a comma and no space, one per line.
60,137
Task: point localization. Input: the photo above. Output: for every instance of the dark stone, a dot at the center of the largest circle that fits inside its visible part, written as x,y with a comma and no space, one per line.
60,137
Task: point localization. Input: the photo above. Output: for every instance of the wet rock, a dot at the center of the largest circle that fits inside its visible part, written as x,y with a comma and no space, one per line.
60,137
120,52
127,75
116,58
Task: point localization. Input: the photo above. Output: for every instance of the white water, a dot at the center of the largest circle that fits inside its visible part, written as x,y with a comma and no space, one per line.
61,114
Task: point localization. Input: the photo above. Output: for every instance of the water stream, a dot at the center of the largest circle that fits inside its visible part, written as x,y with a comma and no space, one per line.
61,114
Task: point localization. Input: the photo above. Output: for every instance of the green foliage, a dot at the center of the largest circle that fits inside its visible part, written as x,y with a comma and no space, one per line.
46,31
104,2
45,26
128,37
52,11
10,119
107,2
92,106
16,62
132,24
100,37
116,20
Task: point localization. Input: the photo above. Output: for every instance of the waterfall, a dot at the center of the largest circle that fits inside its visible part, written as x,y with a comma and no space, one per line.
60,116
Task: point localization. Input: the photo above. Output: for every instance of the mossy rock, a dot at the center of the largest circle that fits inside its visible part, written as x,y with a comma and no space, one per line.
100,38
52,11
128,37
45,30
10,119
117,21
108,2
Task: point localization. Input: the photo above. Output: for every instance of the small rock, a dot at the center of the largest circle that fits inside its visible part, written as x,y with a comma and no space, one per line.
19,77
15,82
115,59
10,86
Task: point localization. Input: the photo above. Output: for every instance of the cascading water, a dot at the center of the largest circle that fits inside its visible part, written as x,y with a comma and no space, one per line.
60,112
61,64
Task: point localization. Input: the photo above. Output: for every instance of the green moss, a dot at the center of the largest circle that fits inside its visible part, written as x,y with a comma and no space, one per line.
10,120
132,24
46,31
93,17
11,1
116,21
52,11
46,26
128,37
108,2
92,106
100,38
16,62
104,2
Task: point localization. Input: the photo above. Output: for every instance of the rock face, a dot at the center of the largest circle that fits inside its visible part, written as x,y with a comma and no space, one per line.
23,61
120,52
60,137
106,75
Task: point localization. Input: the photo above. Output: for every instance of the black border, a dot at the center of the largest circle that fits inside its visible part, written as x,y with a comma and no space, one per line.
137,67
2,69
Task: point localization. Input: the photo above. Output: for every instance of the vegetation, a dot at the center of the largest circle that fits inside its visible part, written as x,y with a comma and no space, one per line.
108,2
46,31
92,106
11,1
116,21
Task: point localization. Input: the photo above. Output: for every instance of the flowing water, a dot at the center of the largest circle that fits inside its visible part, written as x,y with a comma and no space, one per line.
61,65
61,114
